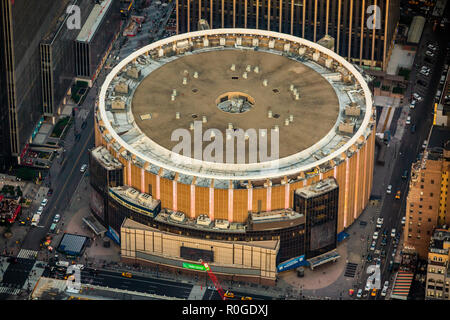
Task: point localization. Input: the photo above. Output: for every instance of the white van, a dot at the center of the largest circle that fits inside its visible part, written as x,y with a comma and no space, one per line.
424,145
408,120
62,263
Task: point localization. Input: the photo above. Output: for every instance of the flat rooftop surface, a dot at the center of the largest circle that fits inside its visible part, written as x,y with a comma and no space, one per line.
314,114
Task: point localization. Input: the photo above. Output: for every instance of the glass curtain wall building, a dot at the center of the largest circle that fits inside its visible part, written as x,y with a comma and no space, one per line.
23,24
363,29
57,51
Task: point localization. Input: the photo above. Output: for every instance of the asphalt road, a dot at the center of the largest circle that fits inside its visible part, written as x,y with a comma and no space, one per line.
410,146
64,185
159,287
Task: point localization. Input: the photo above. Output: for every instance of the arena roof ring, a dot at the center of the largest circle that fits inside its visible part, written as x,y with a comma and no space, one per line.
248,78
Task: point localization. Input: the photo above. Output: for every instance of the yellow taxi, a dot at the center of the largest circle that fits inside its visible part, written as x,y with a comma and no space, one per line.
374,292
127,274
246,298
397,196
229,294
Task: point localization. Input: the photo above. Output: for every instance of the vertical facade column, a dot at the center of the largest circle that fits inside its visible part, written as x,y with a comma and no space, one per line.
347,173
158,188
177,17
230,203
269,199
250,200
268,15
142,180
350,36
375,17
234,13
365,172
315,20
385,34
199,9
245,13
363,12
338,27
327,16
257,14
303,19
223,12
211,14
355,212
188,15
175,195
335,172
287,190
292,17
281,15
211,203
129,172
192,201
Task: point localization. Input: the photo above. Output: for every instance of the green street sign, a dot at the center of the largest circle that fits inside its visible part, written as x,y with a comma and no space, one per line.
194,266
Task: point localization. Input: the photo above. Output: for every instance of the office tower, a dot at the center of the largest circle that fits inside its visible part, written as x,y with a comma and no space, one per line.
426,205
57,52
363,29
23,24
438,276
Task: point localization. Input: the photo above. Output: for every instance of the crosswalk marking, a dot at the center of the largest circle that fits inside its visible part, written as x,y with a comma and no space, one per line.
27,254
10,291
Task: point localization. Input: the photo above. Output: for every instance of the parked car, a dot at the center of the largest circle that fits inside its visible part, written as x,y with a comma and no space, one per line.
56,218
424,144
429,53
359,294
389,189
369,258
412,104
405,174
384,242
50,192
44,202
40,210
393,233
403,220
380,222
408,120
375,235
413,128
372,246
83,168
417,97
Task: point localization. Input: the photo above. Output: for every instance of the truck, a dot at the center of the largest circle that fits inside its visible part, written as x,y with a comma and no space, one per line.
35,220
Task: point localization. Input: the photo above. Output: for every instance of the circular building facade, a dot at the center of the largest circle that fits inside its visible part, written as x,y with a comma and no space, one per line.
217,80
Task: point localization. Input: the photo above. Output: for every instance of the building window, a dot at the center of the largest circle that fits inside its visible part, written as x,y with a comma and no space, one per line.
429,219
422,180
432,181
430,207
421,186
431,194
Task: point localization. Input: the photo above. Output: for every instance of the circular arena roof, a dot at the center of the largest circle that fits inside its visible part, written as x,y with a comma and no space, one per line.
312,138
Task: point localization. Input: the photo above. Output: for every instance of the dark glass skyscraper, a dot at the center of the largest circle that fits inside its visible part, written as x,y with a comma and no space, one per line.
23,25
319,203
363,29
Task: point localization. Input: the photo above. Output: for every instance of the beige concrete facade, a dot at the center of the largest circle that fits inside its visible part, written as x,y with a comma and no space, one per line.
438,278
427,202
247,260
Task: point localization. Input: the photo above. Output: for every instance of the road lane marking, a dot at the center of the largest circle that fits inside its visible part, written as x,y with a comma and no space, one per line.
71,172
